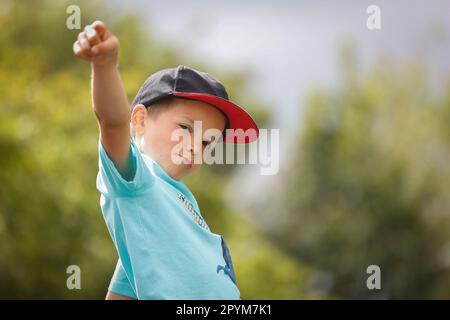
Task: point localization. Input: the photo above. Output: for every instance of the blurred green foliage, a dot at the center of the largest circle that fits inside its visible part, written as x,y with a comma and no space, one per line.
50,216
370,184
368,181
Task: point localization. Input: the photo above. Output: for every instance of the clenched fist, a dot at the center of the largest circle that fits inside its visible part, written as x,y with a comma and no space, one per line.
97,44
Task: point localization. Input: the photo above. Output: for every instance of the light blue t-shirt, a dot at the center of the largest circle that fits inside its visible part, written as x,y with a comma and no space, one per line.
166,249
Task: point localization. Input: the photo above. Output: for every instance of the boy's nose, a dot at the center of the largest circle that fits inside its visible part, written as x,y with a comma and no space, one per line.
195,147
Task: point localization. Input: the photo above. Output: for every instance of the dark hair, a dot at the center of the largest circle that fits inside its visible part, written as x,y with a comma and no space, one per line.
155,108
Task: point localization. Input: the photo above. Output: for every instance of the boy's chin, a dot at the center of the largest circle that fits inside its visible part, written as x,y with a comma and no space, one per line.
177,172
183,171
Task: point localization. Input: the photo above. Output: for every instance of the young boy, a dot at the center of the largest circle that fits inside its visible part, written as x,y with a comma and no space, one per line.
166,249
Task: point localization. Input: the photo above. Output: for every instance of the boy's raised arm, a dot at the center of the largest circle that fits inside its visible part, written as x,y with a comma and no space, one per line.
98,45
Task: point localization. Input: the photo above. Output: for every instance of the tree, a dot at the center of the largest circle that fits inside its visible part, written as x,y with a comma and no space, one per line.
369,184
50,216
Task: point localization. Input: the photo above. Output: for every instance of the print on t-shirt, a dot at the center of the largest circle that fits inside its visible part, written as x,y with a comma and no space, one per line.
228,268
195,215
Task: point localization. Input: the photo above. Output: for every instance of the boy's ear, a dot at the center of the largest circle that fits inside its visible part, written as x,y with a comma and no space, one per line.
138,118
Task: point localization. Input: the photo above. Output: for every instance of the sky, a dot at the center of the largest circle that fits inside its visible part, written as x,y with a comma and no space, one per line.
291,47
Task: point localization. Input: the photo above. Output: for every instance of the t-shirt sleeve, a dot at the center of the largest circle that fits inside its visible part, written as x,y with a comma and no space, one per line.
120,284
111,183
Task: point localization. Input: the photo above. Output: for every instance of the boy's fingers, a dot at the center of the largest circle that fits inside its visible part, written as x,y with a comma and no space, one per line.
106,46
78,52
84,45
95,40
99,27
76,48
91,35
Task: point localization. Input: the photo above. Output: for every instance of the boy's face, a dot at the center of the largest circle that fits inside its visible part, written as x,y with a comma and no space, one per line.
154,134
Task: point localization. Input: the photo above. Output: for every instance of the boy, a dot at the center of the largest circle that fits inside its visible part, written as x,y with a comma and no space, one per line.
166,249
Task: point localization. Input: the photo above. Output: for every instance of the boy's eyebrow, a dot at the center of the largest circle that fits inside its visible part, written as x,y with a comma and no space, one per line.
186,117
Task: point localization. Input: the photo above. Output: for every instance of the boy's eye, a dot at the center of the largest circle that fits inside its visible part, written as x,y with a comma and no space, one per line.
184,127
208,143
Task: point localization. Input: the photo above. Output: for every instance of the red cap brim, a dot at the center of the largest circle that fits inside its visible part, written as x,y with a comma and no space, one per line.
245,129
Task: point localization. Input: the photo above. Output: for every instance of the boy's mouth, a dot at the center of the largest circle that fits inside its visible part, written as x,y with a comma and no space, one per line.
186,161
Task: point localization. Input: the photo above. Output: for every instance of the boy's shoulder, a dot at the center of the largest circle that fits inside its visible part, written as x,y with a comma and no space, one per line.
148,176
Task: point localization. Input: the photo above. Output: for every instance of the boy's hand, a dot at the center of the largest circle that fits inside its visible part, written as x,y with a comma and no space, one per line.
97,44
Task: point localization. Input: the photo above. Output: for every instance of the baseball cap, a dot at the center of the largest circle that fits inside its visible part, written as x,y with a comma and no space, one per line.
188,83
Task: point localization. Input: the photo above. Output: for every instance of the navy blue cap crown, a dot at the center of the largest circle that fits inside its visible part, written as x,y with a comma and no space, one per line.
164,83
